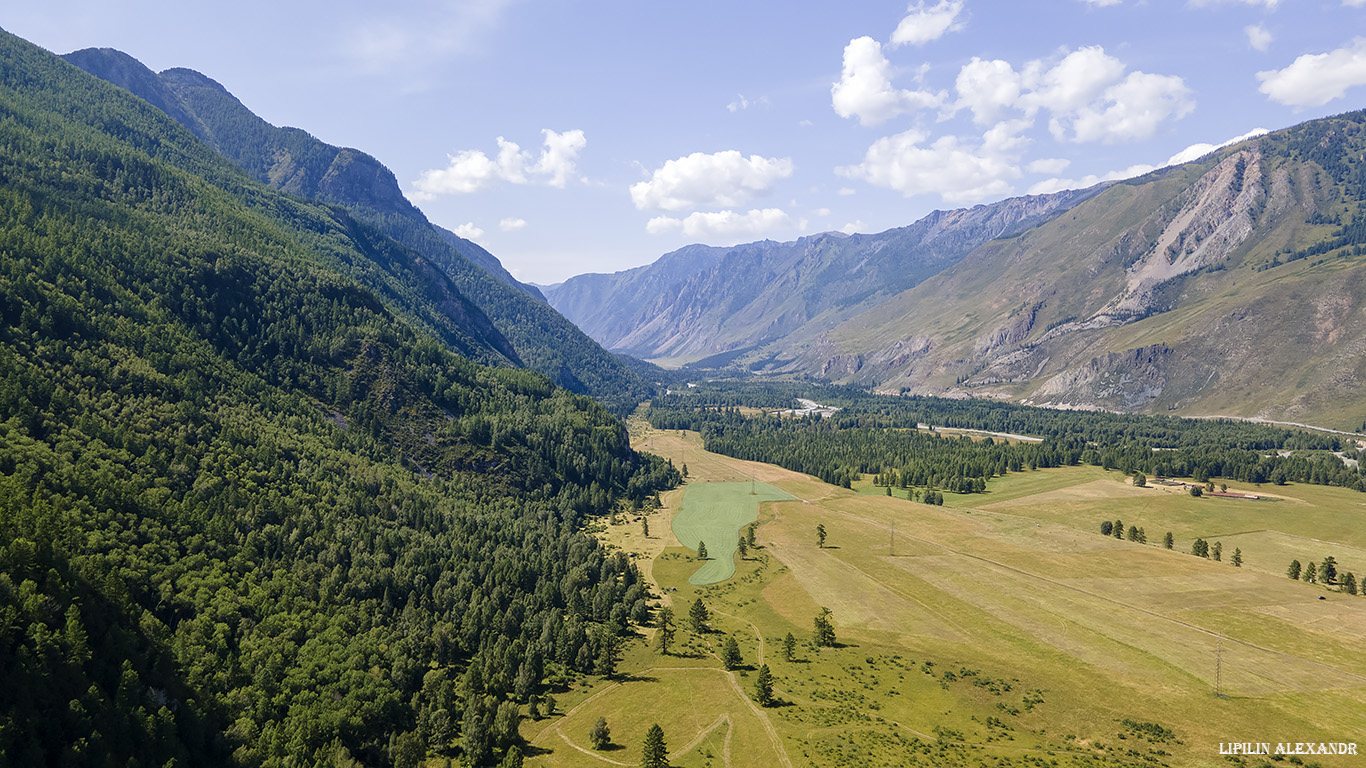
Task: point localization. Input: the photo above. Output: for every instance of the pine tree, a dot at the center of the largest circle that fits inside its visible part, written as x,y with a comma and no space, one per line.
749,534
789,647
744,549
698,615
820,536
763,687
823,633
654,754
1328,570
1140,480
1106,528
1349,583
1168,541
1237,558
666,629
1118,529
645,527
1217,551
1293,572
701,550
730,654
1311,573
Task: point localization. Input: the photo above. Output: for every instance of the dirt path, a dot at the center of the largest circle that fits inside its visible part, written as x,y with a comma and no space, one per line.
752,626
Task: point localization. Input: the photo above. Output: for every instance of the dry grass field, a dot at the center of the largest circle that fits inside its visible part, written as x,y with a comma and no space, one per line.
998,630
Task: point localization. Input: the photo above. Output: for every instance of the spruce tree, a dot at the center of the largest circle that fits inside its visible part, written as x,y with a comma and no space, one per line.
763,687
697,614
1293,572
654,754
789,647
730,654
701,550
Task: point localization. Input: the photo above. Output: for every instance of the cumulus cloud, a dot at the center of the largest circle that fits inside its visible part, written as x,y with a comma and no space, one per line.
1049,186
865,88
987,88
1075,81
957,171
754,223
741,102
1259,37
1197,151
469,231
511,224
922,25
852,227
1131,109
471,170
1315,79
701,180
1049,165
1193,152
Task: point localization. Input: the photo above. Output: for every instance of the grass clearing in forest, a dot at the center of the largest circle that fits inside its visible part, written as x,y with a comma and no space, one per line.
715,514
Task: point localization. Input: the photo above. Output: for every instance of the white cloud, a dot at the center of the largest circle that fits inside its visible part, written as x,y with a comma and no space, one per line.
987,88
1269,4
1315,79
865,88
699,180
1197,151
1049,186
511,224
723,223
1075,81
1193,152
742,103
821,212
1354,3
1102,3
1049,165
1132,109
471,170
853,227
846,191
922,25
957,172
469,231
1259,37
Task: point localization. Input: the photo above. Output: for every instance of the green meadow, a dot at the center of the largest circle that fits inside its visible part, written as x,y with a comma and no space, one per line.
716,513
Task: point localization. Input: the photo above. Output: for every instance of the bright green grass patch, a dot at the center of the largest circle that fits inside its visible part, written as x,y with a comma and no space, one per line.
714,513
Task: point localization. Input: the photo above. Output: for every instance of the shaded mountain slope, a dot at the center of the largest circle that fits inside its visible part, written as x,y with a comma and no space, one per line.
294,161
254,510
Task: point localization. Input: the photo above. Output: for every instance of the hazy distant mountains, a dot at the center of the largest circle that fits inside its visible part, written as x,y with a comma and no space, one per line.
521,327
1235,284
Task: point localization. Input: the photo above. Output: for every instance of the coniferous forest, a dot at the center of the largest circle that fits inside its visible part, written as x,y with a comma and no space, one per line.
254,507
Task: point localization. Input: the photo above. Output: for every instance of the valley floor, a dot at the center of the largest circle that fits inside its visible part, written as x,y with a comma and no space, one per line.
999,630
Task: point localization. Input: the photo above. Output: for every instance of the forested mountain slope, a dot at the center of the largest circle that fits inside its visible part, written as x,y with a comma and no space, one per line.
294,161
700,301
1232,285
254,510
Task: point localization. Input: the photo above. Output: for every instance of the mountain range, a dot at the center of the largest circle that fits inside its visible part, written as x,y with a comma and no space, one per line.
1230,285
509,320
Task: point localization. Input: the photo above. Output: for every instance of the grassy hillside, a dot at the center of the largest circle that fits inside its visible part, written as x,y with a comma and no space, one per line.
254,510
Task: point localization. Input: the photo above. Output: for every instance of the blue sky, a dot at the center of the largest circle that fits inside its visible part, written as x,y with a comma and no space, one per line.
576,136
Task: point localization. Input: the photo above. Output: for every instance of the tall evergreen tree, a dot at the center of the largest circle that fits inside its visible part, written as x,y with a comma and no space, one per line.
763,687
654,754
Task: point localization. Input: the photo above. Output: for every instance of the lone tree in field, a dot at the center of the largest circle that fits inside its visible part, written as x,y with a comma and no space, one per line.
654,754
789,647
1293,572
685,469
698,615
645,526
601,736
1106,528
823,632
1237,558
1168,541
666,629
1196,491
820,536
763,687
701,550
744,548
730,654
1328,571
1140,480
